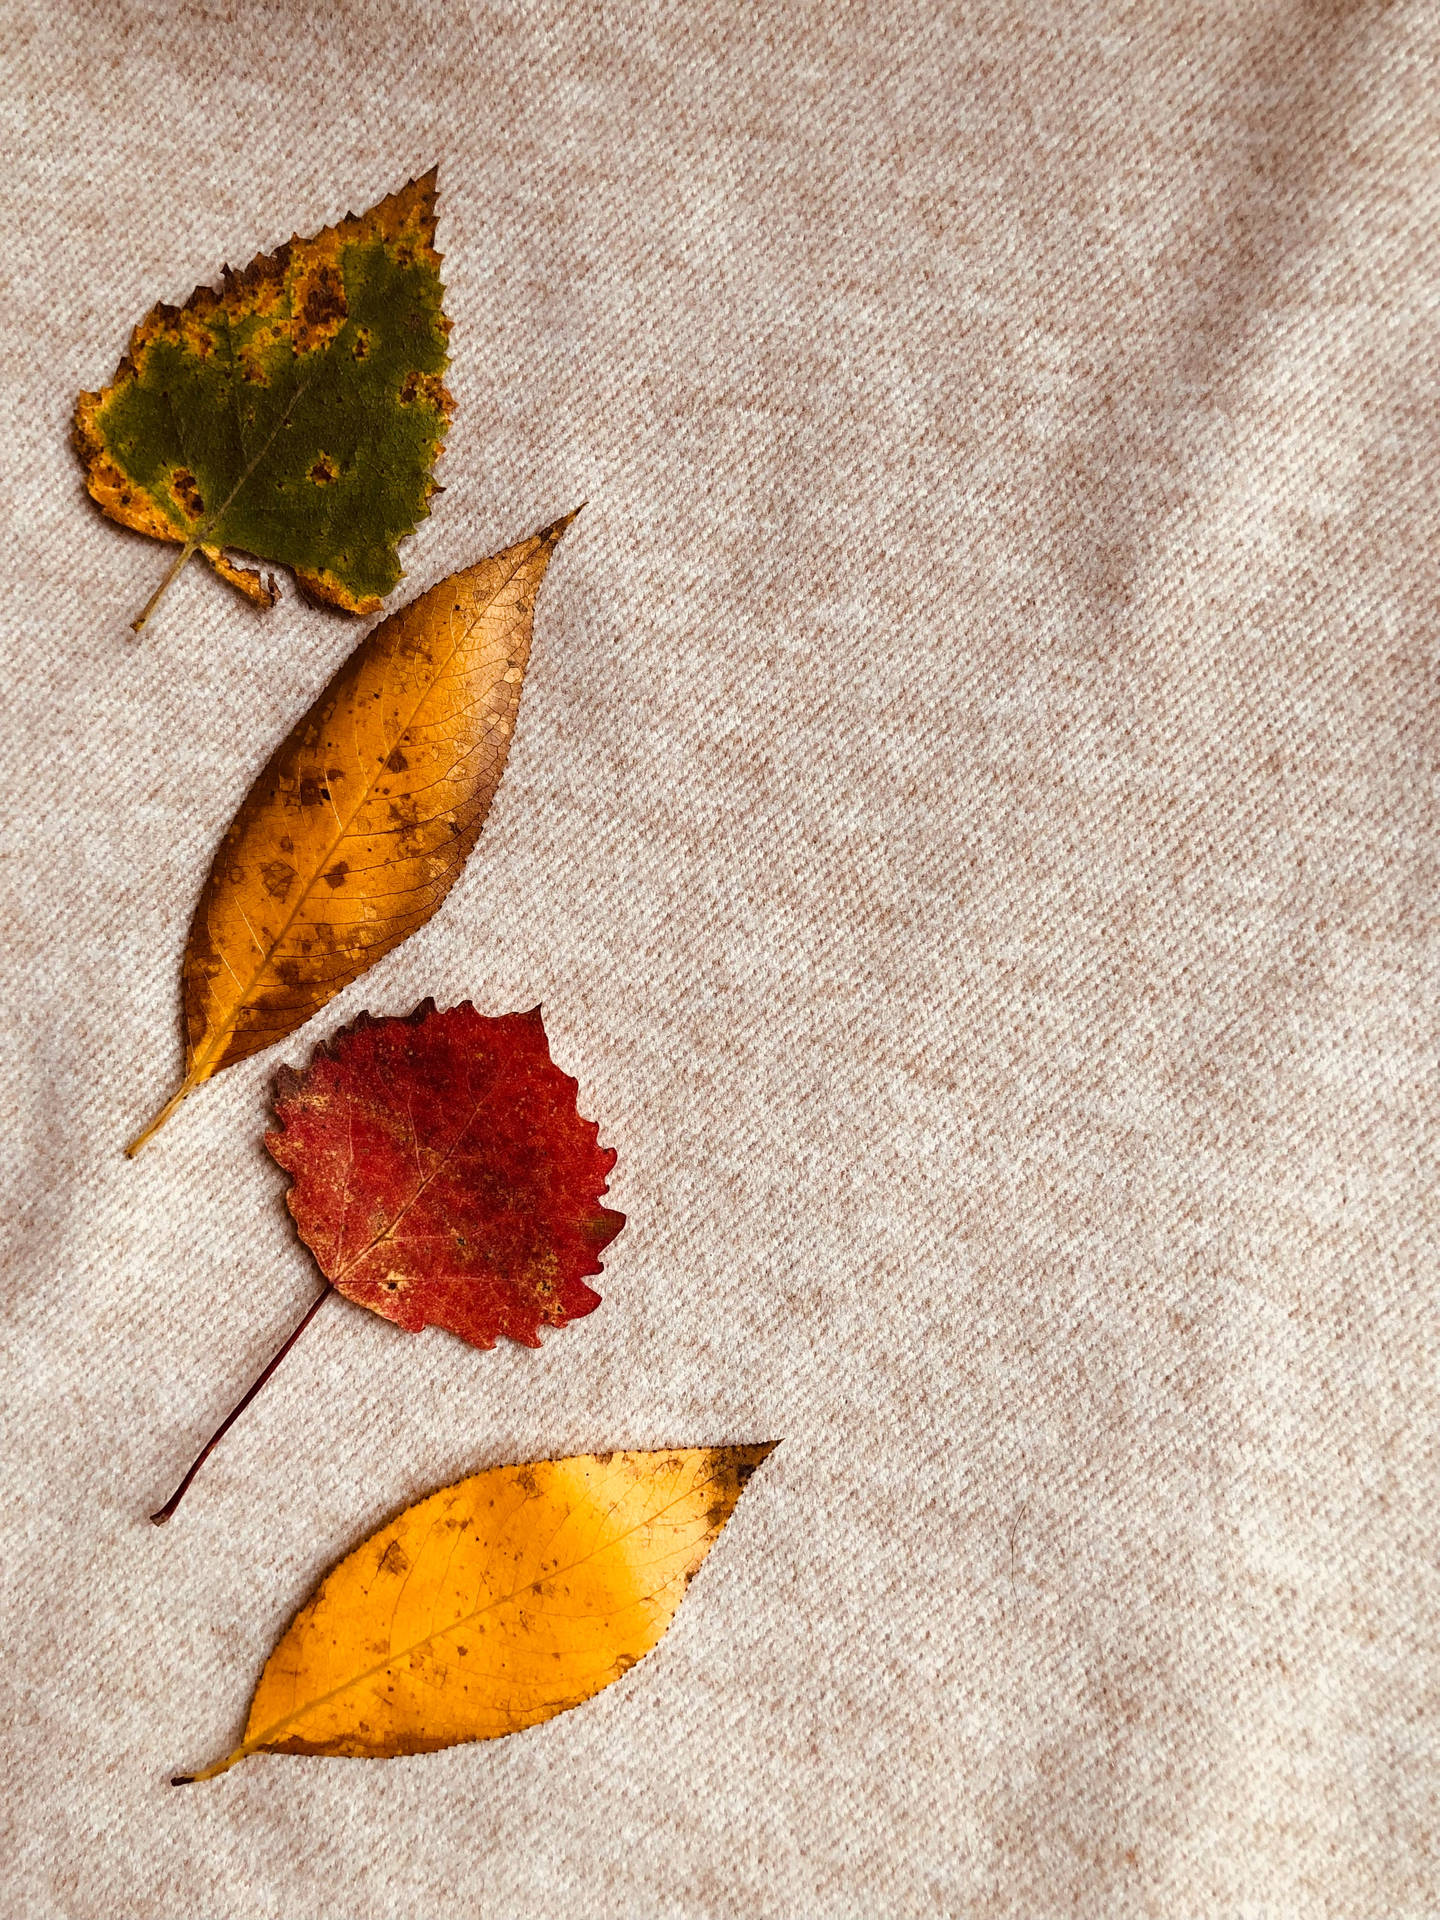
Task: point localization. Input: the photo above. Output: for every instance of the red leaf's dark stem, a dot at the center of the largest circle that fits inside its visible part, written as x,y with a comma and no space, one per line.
235,1412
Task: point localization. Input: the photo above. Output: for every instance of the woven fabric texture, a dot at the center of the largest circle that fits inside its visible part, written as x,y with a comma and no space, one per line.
972,831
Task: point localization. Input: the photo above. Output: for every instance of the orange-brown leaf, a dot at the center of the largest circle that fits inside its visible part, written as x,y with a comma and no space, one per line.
360,824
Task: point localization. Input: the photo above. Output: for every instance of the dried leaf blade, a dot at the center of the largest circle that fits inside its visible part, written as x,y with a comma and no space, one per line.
365,815
494,1605
443,1175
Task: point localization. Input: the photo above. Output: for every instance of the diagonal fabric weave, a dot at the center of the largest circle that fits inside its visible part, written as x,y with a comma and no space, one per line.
972,831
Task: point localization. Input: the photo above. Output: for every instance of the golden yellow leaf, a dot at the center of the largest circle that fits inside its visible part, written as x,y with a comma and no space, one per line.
493,1605
360,824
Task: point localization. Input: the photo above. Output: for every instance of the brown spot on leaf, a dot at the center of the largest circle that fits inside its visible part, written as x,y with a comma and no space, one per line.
428,387
335,876
394,1559
326,299
324,473
318,293
186,489
279,877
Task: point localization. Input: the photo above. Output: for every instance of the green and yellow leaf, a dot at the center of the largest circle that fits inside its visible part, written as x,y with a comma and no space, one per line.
295,416
494,1605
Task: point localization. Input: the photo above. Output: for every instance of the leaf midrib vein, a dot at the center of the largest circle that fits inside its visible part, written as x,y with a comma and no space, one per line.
388,1232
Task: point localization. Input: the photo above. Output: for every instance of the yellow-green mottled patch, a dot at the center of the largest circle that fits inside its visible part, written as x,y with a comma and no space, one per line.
295,415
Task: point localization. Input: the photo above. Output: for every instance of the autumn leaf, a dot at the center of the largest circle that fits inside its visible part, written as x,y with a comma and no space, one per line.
443,1176
296,415
362,820
494,1605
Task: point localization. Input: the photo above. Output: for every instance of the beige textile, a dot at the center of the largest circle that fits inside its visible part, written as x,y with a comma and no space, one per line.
972,830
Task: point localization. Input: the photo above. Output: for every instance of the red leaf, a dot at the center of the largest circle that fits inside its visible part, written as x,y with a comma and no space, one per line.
443,1175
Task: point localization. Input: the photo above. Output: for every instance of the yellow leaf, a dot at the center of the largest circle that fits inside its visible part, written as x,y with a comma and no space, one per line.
360,824
493,1605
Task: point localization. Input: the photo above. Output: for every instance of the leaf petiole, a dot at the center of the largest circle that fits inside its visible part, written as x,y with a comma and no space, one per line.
167,1511
182,1092
158,595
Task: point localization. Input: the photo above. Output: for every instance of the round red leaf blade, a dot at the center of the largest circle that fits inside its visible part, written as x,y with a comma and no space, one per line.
443,1175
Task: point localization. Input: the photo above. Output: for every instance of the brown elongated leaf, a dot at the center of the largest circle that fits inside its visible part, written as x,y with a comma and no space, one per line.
494,1605
360,824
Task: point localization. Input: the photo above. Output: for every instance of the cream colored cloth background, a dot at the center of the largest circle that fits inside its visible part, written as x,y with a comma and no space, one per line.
972,829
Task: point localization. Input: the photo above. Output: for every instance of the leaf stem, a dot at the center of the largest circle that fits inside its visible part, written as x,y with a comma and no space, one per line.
209,1773
235,1412
164,587
182,1092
